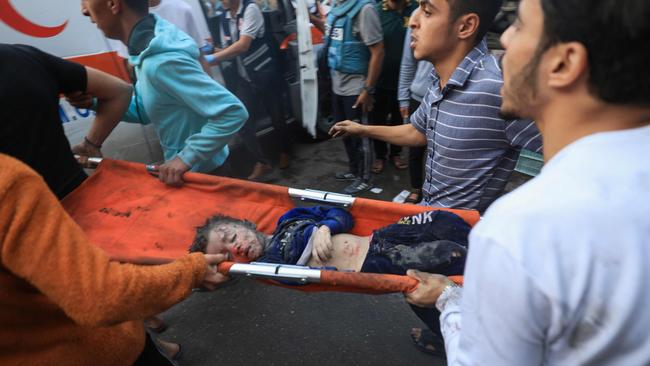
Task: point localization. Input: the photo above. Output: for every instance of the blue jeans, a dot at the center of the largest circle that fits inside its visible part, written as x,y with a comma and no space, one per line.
434,242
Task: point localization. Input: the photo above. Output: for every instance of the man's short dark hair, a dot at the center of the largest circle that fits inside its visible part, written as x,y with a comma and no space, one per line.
616,34
485,9
138,6
203,232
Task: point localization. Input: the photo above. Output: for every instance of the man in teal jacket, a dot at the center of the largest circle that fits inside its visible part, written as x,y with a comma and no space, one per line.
194,116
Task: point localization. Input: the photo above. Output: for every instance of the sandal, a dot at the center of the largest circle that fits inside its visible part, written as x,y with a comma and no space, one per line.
400,163
414,196
377,166
427,342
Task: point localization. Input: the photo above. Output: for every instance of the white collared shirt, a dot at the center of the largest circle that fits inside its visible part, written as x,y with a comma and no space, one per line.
558,271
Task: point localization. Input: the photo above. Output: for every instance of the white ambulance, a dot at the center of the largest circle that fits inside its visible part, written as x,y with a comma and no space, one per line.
59,28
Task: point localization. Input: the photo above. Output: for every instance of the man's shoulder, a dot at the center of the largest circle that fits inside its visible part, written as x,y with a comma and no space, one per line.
486,73
252,9
173,5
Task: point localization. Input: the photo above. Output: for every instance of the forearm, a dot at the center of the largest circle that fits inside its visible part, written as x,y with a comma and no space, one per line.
113,97
109,115
213,136
401,135
406,74
374,66
318,22
48,249
241,46
450,321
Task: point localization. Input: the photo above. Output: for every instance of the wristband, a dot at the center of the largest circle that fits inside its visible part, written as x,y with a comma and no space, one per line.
92,143
212,58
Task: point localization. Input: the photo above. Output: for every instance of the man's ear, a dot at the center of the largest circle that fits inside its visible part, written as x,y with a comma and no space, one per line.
467,26
568,63
115,6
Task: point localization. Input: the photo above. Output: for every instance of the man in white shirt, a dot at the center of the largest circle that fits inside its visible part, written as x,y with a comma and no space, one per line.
558,270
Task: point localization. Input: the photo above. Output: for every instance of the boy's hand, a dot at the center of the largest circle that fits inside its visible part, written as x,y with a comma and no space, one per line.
323,246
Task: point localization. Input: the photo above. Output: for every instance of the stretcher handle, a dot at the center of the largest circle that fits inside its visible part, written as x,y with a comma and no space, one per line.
91,163
370,281
152,169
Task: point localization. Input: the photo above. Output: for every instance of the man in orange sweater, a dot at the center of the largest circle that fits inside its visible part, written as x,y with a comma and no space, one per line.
63,301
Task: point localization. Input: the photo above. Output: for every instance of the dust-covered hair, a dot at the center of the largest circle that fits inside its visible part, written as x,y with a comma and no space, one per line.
200,242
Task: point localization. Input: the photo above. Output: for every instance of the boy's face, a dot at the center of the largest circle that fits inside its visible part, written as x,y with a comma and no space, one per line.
522,89
103,14
241,242
432,36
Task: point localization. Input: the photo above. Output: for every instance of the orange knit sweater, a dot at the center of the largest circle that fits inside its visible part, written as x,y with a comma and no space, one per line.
62,302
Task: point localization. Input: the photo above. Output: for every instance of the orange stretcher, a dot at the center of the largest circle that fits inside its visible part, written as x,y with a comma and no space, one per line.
137,219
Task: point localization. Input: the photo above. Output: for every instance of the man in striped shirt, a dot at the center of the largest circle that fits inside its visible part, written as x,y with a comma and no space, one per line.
471,149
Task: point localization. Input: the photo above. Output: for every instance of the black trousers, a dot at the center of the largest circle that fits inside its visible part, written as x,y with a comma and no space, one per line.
357,148
257,100
416,155
386,105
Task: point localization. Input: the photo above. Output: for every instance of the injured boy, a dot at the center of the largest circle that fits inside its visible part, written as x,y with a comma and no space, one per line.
433,241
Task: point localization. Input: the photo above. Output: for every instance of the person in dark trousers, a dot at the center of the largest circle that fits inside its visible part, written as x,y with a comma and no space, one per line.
355,52
413,84
394,16
249,61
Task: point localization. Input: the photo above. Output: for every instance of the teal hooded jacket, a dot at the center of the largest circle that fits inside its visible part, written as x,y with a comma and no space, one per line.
194,116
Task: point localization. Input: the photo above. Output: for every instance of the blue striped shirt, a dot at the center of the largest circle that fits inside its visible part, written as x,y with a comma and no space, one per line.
471,150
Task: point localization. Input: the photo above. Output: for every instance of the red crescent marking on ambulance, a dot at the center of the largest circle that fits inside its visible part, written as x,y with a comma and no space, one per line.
15,20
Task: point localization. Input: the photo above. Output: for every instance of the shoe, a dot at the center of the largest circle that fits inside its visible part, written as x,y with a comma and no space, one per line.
414,196
259,171
399,163
155,324
345,176
284,161
427,342
357,186
377,166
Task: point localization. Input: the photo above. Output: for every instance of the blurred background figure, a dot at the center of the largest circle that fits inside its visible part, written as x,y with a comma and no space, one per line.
248,56
394,16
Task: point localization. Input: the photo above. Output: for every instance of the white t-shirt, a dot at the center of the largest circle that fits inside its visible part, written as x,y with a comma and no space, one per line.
558,271
177,12
251,24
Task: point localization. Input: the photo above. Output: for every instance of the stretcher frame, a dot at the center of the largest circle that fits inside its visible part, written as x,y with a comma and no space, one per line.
314,279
